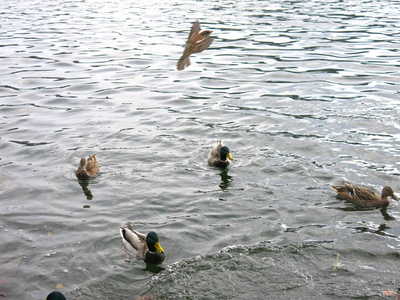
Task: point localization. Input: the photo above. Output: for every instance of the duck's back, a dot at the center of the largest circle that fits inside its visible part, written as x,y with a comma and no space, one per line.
215,154
367,198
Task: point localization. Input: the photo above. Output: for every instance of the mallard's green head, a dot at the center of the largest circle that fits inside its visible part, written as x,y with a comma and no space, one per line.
56,296
153,243
225,153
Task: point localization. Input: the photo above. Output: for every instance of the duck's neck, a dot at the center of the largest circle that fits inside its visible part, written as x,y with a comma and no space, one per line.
385,198
385,195
223,157
152,248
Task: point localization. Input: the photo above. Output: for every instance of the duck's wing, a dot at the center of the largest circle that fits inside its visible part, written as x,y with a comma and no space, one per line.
195,28
203,46
92,166
364,197
368,198
344,192
340,189
366,194
93,159
134,241
215,153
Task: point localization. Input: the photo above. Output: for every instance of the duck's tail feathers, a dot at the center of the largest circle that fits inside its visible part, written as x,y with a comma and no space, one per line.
183,62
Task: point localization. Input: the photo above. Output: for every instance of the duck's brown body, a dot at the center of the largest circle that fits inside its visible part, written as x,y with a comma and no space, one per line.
364,197
88,168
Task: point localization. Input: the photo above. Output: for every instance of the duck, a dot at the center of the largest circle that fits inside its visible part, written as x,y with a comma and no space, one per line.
147,248
219,156
55,296
88,168
364,197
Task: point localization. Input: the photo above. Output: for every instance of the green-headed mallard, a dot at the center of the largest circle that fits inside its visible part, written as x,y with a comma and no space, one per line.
145,247
88,168
219,156
364,197
55,296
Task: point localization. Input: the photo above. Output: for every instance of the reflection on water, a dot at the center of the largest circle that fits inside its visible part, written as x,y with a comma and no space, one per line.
84,184
381,230
307,94
155,269
386,215
225,179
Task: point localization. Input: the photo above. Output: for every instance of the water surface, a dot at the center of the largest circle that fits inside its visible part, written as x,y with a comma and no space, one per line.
306,95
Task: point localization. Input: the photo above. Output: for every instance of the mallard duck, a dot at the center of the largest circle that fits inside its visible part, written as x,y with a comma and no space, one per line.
219,156
55,296
145,247
88,168
364,197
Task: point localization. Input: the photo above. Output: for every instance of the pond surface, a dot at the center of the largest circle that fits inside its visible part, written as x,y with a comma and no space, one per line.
305,94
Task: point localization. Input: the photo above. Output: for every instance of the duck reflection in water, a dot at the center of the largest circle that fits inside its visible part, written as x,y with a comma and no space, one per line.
225,180
84,184
386,215
381,230
88,169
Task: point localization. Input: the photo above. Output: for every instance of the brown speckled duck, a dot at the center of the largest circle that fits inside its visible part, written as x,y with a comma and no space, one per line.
219,156
364,197
145,247
88,168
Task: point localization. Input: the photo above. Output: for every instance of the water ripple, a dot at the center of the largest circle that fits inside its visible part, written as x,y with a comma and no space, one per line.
305,94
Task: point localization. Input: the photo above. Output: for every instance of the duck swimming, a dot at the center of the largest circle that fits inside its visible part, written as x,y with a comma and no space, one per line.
145,247
219,156
55,296
364,197
88,168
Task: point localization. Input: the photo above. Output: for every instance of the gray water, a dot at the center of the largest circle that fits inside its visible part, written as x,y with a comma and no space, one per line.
305,93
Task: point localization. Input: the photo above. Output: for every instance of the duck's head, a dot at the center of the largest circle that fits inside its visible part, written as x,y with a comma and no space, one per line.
388,192
153,242
206,33
55,296
83,164
225,153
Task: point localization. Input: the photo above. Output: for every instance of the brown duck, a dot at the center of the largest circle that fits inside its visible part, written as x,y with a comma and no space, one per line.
364,197
88,168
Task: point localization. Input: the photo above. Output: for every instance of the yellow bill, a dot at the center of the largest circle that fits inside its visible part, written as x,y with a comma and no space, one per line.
158,247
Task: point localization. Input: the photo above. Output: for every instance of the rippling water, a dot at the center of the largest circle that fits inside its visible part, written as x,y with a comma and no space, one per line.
305,94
